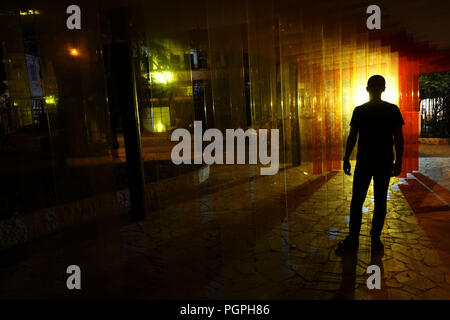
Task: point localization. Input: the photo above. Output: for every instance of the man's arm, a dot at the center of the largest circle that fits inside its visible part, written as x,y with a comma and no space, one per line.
351,142
398,144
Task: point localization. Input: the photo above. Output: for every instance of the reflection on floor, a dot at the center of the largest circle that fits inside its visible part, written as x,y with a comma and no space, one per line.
240,236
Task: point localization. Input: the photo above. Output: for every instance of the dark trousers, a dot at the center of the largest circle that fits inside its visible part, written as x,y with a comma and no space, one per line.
361,181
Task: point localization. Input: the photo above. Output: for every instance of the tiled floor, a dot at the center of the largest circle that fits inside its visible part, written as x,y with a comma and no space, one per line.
437,169
241,236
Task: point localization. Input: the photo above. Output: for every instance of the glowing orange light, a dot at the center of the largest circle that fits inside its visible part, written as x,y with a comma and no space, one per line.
74,52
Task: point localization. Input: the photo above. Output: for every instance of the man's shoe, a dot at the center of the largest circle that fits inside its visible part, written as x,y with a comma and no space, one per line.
348,244
377,244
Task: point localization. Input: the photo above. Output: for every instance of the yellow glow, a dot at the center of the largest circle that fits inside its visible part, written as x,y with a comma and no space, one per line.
389,95
74,52
362,96
368,62
29,12
15,104
50,100
162,77
160,127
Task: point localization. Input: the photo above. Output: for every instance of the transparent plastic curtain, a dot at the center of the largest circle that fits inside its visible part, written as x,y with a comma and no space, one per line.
17,179
67,156
75,111
225,33
73,79
262,63
167,47
16,69
409,106
333,72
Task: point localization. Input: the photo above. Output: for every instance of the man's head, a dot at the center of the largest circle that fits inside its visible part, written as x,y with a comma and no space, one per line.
375,86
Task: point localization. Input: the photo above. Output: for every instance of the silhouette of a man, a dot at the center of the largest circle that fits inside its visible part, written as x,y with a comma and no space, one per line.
379,126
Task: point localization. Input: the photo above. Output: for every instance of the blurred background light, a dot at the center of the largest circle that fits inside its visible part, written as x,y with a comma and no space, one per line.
162,77
50,100
74,52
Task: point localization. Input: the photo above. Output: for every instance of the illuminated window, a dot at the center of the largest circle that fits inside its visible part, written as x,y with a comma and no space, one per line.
160,119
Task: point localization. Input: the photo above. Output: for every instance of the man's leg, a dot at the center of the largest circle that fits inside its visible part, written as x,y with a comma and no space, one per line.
380,188
361,182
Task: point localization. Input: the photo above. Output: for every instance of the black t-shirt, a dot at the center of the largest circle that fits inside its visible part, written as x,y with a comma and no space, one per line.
375,122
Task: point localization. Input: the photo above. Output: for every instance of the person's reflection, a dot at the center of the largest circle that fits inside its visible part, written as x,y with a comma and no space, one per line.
349,262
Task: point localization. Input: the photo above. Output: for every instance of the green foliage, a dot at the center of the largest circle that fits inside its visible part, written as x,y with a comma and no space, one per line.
437,85
434,85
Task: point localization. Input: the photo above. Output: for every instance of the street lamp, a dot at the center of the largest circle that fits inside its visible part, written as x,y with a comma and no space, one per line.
74,52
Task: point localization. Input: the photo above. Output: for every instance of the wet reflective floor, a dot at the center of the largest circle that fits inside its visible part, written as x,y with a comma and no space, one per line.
246,236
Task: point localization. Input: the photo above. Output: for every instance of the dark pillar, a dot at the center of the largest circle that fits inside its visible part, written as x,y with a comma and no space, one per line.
121,98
